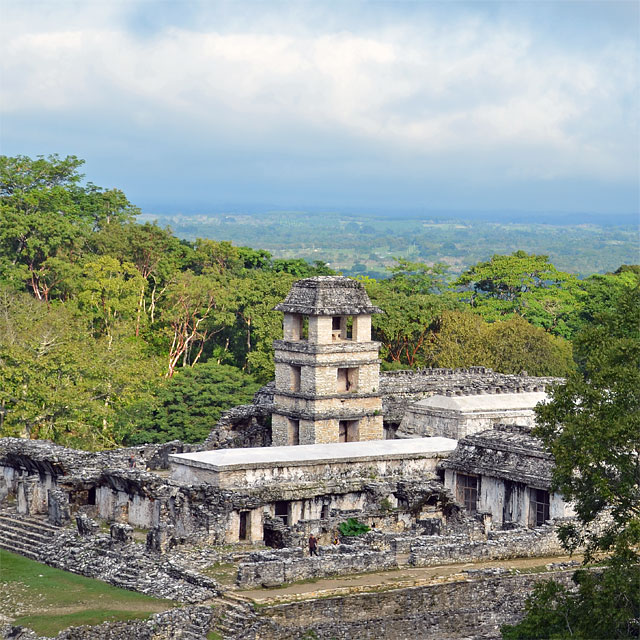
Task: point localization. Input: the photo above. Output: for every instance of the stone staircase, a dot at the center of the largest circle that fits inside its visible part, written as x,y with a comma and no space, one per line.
25,535
236,616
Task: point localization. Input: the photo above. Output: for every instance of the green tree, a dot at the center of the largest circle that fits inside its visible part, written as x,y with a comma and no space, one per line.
418,277
188,405
57,381
404,328
46,213
459,340
523,284
257,325
516,345
591,425
189,300
110,292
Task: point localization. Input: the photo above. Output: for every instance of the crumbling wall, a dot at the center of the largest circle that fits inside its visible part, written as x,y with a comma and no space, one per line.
471,607
431,551
122,563
273,568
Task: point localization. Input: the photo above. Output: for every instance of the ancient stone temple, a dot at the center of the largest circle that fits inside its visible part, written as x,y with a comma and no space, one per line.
327,366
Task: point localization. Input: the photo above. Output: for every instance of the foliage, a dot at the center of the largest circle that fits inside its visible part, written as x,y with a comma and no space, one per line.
58,381
45,213
463,339
592,427
515,345
403,329
417,277
187,406
603,604
523,284
353,527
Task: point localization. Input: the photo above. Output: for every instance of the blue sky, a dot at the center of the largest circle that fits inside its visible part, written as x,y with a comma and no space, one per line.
355,106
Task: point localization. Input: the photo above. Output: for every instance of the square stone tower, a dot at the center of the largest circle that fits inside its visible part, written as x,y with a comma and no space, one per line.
327,366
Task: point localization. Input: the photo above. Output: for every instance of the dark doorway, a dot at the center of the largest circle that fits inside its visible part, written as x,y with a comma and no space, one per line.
244,525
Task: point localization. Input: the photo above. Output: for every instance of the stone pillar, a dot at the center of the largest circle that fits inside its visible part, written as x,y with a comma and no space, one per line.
361,328
59,512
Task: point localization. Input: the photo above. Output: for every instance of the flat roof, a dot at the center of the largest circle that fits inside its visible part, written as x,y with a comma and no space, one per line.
485,402
310,454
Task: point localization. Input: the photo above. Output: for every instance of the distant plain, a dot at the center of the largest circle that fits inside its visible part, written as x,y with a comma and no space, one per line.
366,244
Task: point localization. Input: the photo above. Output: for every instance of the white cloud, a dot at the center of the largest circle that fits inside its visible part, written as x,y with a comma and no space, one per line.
468,86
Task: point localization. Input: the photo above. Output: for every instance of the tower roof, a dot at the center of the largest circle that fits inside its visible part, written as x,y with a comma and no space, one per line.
327,296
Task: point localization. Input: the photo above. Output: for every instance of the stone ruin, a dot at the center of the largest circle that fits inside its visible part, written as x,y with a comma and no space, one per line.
458,477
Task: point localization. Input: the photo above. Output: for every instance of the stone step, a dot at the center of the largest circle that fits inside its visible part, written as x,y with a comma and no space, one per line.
19,549
14,530
19,536
28,523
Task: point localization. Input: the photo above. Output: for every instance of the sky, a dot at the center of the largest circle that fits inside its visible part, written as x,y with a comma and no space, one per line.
204,107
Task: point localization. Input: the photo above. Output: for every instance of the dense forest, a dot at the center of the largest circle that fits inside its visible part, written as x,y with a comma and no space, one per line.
114,332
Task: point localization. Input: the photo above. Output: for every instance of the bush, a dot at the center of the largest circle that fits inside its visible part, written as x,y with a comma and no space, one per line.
353,527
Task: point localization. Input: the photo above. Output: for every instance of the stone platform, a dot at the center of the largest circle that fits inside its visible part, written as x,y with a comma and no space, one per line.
260,466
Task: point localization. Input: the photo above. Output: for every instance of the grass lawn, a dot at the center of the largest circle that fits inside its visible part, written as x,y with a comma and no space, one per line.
48,600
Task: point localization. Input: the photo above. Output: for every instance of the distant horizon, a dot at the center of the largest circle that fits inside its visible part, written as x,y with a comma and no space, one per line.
560,218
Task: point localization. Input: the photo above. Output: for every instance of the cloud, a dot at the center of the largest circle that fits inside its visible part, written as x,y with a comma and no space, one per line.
494,94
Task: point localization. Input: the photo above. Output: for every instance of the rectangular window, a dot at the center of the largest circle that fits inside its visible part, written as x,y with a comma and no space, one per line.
296,372
324,514
538,507
282,511
347,379
467,491
348,431
294,432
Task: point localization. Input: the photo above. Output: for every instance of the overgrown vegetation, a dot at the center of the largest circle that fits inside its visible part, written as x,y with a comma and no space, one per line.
48,600
353,527
113,332
592,427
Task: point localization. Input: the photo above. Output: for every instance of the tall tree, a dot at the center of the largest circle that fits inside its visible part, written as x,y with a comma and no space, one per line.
46,213
592,427
523,284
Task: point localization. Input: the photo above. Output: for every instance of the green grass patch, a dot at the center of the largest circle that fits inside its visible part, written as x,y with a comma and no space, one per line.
47,624
48,600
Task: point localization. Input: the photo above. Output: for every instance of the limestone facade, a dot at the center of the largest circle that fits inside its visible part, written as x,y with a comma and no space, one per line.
327,367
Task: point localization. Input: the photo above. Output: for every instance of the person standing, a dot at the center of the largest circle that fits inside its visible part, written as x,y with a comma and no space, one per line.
313,545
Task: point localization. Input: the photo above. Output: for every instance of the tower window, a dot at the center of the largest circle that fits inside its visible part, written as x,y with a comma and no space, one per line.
347,379
296,372
294,432
348,431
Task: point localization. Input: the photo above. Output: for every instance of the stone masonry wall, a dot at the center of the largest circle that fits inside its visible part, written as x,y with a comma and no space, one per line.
269,569
430,551
474,607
